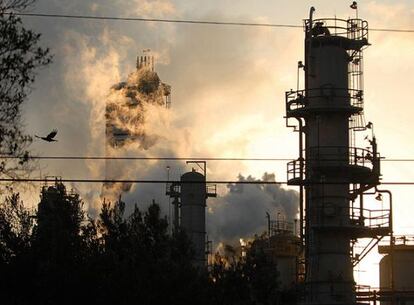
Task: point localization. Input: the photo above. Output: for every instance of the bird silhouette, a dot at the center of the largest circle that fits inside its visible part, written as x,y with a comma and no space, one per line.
49,137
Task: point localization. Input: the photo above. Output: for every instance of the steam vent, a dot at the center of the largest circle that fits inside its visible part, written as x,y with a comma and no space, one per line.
125,119
334,175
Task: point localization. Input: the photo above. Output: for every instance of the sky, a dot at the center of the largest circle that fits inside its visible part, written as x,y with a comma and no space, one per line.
228,86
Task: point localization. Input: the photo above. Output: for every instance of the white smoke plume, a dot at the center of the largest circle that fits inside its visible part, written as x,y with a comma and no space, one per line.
130,109
212,112
242,211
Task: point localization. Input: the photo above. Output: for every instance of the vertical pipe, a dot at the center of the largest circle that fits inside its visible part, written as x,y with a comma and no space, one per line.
176,214
301,214
268,224
392,243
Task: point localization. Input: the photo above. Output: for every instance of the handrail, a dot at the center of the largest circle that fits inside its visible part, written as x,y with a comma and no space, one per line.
332,156
371,218
354,217
399,240
300,99
353,28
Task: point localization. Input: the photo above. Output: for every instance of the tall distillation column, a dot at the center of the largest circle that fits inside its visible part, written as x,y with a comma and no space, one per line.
328,111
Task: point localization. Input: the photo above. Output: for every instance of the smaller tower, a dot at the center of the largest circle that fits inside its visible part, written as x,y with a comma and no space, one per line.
193,212
189,200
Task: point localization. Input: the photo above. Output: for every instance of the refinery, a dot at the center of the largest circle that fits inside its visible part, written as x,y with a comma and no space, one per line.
335,173
156,209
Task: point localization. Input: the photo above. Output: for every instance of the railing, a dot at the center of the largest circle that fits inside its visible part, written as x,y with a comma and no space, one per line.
371,295
296,100
173,189
372,219
277,226
330,215
295,169
211,190
399,240
332,156
356,29
340,155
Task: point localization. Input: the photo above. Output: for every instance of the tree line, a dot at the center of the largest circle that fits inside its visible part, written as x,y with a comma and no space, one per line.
57,254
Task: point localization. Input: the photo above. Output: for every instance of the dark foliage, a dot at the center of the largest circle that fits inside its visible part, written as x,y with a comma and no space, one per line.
57,255
65,258
251,280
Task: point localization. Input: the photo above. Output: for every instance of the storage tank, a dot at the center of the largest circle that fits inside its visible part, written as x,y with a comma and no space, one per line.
283,249
193,215
397,275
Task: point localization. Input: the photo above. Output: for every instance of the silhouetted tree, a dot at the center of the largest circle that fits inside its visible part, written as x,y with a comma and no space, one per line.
20,56
16,225
57,244
249,280
59,256
142,262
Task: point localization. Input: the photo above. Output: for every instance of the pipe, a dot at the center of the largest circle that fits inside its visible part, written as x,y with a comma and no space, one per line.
391,241
268,224
301,165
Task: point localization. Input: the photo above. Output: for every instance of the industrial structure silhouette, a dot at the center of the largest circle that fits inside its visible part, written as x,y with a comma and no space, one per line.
338,172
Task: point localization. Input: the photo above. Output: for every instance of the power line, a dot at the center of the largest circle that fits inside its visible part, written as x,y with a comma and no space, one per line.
182,158
142,158
189,21
183,21
256,182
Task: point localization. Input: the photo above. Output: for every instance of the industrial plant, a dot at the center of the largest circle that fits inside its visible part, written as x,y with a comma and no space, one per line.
181,205
337,174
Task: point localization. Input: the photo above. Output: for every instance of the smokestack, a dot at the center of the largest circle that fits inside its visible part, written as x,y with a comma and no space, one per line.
193,213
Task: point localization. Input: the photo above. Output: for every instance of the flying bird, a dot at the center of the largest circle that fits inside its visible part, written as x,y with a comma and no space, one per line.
49,137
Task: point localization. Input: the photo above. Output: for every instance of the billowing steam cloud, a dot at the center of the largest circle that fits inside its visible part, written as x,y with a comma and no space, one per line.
242,211
212,112
127,106
130,105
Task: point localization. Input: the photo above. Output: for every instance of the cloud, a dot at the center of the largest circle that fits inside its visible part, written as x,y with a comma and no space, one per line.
241,212
154,8
227,99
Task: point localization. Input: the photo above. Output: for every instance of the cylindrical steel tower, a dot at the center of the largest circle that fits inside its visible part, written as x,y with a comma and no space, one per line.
397,271
193,212
327,110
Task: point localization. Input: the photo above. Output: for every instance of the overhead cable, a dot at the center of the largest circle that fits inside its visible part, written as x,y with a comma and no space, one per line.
256,182
190,21
6,156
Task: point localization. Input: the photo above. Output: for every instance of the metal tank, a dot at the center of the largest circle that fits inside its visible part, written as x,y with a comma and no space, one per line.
193,212
282,246
397,272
